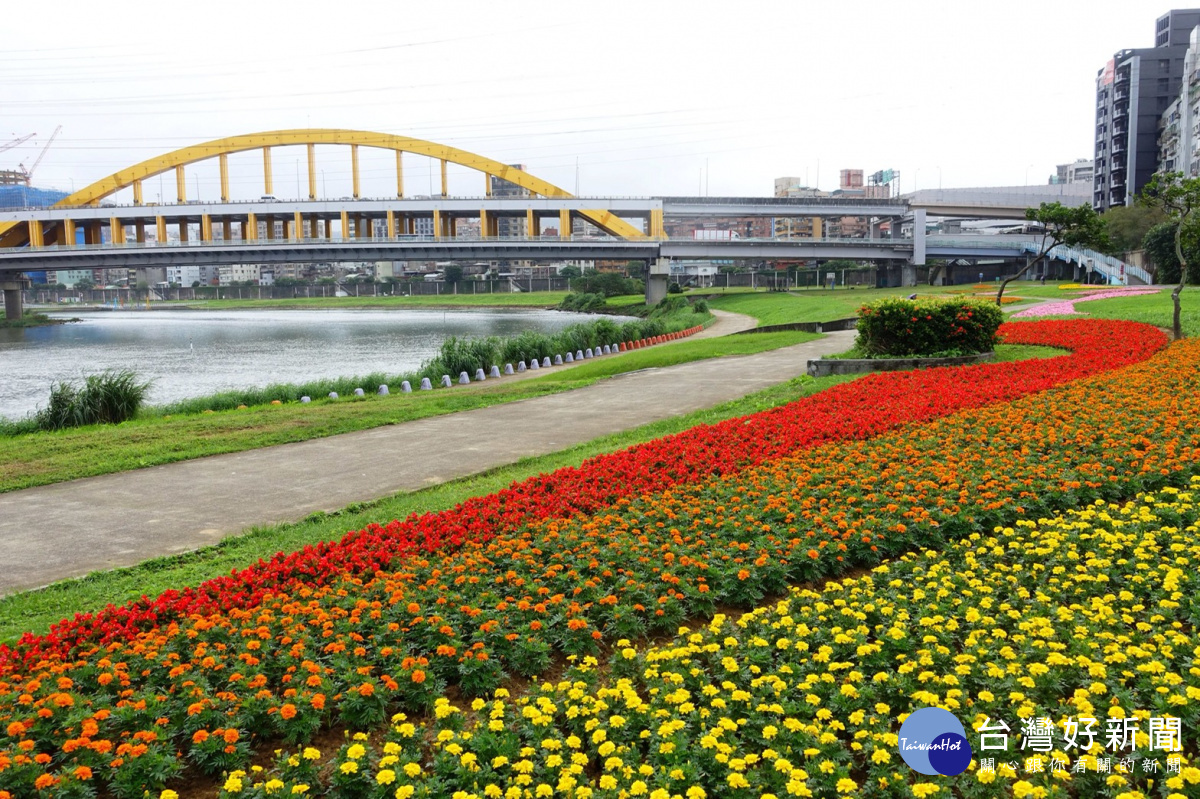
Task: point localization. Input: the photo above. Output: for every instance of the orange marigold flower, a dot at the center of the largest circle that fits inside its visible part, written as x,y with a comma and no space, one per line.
200,737
43,782
231,736
82,773
418,676
16,729
288,711
318,701
366,689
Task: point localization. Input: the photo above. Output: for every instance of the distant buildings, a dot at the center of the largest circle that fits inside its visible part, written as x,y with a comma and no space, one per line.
1083,170
1133,92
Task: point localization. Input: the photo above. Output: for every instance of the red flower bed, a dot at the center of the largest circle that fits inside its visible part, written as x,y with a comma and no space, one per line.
861,409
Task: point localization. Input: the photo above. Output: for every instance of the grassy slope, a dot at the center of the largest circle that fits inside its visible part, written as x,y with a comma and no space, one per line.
36,610
1153,309
43,458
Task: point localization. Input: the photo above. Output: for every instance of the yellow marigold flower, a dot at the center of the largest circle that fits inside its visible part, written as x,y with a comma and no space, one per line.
412,770
349,767
233,785
168,794
846,785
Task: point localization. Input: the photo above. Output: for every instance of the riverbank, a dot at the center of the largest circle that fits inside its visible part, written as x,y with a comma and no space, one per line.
37,459
33,319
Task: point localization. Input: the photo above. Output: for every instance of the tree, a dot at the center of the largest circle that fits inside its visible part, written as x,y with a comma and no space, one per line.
453,273
570,271
1079,226
1178,197
1127,225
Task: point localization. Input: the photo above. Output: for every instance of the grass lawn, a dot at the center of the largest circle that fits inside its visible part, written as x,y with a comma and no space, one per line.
1153,309
42,458
35,611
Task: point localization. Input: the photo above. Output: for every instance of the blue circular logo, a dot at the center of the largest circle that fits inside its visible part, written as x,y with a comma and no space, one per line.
932,741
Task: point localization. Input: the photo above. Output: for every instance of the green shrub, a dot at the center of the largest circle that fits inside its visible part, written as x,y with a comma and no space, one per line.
110,397
905,328
580,301
463,355
608,284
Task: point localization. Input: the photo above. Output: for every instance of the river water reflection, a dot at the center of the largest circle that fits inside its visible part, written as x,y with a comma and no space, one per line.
192,353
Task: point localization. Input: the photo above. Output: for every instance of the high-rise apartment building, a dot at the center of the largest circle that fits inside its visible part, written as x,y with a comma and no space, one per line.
509,226
1133,90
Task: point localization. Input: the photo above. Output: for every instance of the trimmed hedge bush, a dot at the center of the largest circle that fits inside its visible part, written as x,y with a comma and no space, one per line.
906,328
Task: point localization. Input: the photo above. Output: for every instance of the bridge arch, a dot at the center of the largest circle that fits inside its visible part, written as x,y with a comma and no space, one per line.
132,177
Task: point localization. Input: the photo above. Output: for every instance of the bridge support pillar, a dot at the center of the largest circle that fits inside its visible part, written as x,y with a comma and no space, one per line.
908,274
13,307
657,275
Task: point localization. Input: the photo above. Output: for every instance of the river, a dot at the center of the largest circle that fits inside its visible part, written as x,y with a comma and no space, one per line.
191,353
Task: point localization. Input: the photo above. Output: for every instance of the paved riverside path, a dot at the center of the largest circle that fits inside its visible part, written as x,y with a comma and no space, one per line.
70,529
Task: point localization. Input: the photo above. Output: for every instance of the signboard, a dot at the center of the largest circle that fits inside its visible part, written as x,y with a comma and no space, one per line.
1110,69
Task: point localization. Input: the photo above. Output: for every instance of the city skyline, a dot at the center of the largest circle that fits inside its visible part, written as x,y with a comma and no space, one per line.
619,99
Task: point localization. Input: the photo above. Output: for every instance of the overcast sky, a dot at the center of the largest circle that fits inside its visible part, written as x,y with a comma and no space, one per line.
610,98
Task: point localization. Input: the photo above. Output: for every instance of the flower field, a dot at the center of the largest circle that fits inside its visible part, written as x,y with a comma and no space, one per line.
800,697
628,545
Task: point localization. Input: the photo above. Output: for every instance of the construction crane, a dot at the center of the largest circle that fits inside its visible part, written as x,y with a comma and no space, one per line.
15,142
28,173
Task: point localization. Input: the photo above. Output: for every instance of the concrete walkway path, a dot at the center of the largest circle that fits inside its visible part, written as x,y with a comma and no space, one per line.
71,529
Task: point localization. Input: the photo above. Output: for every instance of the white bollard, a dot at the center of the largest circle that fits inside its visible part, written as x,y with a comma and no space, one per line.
333,395
479,375
533,363
587,353
546,361
495,372
579,355
426,385
508,370
383,390
520,366
358,392
446,381
463,379
306,399
558,361
569,359
405,387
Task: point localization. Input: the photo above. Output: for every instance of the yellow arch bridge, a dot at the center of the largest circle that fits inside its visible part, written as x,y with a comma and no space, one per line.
245,224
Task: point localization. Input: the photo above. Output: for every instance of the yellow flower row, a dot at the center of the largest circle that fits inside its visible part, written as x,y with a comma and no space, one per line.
1087,614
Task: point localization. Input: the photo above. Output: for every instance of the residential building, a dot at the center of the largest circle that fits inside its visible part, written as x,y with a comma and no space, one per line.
190,275
227,275
1133,91
1082,170
498,187
69,277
